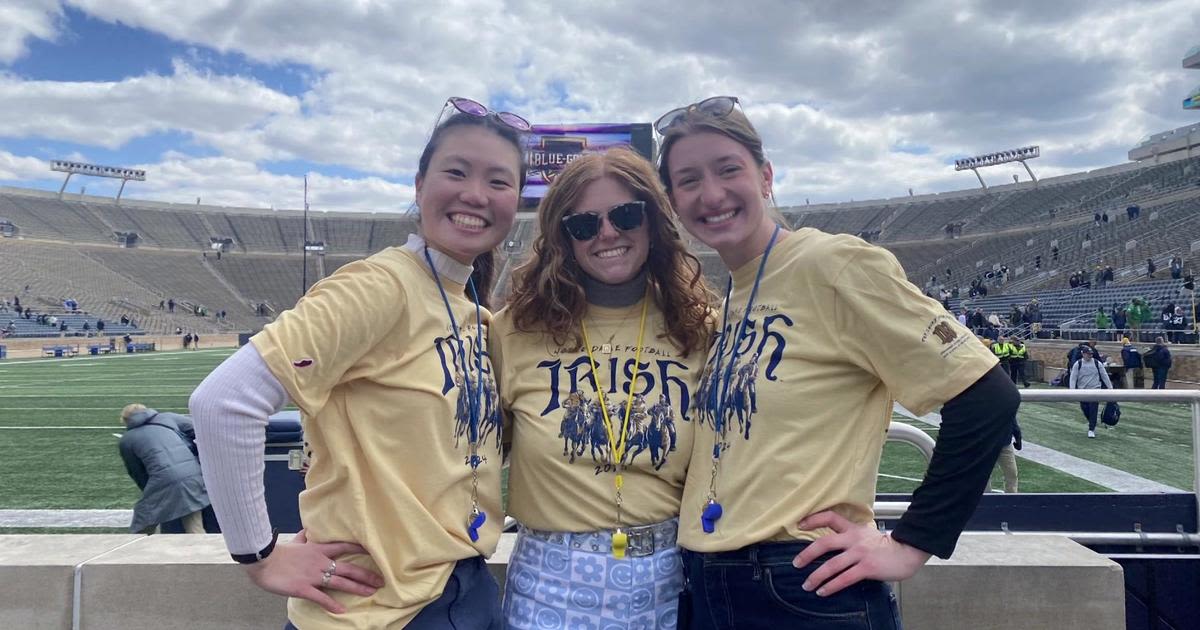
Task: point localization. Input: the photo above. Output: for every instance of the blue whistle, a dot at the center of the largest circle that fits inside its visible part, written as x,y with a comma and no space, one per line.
475,524
709,517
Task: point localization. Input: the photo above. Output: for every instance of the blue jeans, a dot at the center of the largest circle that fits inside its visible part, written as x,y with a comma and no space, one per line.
757,588
1160,378
1090,410
470,601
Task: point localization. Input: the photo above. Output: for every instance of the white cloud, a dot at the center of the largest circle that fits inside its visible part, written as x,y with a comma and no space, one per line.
22,19
854,99
111,113
18,168
226,181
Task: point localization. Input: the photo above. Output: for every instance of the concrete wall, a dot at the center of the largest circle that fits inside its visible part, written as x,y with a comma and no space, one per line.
1185,360
188,582
25,348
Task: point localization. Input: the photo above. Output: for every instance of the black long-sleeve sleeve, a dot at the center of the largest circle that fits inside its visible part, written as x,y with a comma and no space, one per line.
976,424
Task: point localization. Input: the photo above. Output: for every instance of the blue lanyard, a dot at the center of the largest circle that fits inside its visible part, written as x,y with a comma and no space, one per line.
720,395
474,402
474,394
725,380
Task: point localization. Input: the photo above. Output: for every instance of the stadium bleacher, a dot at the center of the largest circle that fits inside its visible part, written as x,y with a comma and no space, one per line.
69,246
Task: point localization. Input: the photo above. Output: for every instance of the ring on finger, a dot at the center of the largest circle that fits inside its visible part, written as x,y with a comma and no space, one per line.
325,578
332,567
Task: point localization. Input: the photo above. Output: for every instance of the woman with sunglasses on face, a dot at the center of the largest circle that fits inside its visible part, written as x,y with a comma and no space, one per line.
598,355
819,334
387,361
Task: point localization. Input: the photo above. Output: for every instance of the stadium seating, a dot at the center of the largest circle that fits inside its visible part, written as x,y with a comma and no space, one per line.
69,246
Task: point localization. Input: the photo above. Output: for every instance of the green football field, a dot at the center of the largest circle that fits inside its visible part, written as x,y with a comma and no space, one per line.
59,427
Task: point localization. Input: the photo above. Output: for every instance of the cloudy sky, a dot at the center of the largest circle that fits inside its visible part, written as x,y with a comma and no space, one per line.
235,101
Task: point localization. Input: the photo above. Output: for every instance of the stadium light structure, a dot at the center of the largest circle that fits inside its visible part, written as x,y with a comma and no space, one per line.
96,170
999,157
316,247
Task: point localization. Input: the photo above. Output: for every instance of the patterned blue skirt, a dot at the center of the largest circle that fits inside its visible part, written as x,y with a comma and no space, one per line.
572,581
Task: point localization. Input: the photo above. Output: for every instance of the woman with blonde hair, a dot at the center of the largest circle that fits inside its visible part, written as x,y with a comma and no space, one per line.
598,355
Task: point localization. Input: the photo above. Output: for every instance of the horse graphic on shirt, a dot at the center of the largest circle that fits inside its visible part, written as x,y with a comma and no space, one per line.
744,397
489,412
574,427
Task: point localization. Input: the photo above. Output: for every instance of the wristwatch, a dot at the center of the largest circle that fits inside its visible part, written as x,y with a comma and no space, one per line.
251,558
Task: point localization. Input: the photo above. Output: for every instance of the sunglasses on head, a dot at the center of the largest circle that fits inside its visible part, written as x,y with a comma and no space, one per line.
584,226
475,108
716,106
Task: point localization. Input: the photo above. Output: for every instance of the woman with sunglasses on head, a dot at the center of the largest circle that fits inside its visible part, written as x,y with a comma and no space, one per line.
387,361
598,355
819,334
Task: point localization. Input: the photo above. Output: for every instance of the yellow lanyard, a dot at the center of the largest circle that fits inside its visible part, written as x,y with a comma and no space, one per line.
620,540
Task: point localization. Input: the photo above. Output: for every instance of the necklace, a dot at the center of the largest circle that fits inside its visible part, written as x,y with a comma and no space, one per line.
607,347
477,516
617,443
712,509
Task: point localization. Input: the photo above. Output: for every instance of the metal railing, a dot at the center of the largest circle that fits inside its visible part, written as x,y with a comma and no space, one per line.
891,510
908,434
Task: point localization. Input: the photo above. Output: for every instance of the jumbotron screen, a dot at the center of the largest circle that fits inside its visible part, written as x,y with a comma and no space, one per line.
550,148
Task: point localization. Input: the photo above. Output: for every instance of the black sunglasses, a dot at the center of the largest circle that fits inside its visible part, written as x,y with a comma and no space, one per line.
584,226
716,106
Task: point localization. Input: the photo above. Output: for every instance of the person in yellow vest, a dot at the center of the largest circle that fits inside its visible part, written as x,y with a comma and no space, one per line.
777,516
1018,354
1007,460
386,359
598,356
1002,349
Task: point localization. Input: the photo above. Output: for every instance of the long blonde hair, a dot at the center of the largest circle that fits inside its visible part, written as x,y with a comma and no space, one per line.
548,294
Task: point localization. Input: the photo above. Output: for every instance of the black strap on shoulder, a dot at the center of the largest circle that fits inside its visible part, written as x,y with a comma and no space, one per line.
1098,375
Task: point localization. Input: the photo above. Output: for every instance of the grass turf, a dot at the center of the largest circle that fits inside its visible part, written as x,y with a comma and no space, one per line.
59,428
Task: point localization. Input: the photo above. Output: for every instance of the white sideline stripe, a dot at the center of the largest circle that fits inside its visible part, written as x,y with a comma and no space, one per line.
52,428
65,518
1107,476
899,477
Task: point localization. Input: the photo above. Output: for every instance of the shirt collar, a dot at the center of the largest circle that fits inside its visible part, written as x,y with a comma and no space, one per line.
445,265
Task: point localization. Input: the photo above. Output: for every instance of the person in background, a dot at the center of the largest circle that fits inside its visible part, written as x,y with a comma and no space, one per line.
1132,360
1158,359
1089,373
156,450
1018,355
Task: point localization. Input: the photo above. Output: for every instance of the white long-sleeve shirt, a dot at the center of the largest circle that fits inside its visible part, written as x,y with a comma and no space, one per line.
230,409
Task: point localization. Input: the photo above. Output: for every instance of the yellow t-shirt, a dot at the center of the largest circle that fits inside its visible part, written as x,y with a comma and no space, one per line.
369,357
836,333
560,473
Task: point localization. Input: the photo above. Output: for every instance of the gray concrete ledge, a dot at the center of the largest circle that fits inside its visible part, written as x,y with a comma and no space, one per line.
169,582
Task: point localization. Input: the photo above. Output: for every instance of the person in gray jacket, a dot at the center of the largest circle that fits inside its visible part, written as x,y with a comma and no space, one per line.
1089,373
158,456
